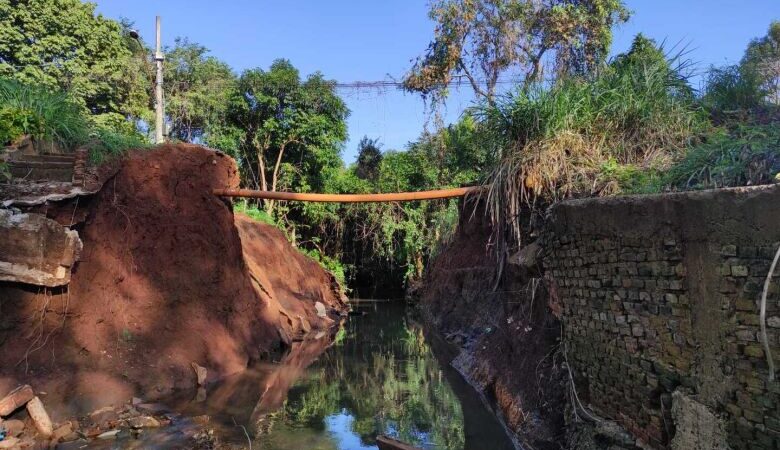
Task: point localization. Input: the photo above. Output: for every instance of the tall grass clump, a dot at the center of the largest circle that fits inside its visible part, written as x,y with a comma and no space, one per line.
731,89
43,114
51,116
106,144
748,154
590,136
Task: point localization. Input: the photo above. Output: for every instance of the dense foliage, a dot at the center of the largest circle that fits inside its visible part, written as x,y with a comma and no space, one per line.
484,39
63,44
197,90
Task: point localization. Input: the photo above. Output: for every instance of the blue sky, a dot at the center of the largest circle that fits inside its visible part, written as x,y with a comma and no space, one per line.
373,40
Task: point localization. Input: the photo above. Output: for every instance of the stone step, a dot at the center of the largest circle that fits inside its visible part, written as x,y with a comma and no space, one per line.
42,170
42,164
47,158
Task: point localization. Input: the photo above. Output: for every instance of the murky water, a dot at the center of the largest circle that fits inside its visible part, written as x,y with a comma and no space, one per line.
380,376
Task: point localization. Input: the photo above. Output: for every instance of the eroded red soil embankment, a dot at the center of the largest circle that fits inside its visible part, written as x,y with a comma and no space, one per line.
506,335
168,276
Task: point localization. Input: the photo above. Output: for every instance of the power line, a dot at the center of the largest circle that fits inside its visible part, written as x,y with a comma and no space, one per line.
456,81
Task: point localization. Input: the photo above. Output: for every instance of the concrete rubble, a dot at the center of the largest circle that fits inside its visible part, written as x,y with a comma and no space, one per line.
35,429
36,250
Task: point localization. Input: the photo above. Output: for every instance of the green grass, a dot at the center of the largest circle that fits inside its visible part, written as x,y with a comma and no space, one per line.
41,113
332,265
108,144
255,213
744,155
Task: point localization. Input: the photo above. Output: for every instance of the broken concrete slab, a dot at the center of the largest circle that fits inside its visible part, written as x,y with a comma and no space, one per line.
40,417
16,399
698,427
36,250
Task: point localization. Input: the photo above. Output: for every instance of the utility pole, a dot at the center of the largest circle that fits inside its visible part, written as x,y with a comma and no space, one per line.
158,89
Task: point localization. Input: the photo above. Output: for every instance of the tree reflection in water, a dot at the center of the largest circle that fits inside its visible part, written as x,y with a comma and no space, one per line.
380,378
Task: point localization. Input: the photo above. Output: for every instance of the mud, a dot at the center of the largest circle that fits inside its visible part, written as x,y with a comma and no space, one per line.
507,337
168,276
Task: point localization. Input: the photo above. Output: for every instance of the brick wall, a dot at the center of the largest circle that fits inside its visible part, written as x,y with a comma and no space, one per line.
661,293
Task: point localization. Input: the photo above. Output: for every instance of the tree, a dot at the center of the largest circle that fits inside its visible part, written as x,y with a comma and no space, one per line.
483,39
280,119
762,60
63,44
369,159
197,90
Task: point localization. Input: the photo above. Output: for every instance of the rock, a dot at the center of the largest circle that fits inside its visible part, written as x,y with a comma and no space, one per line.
284,336
60,432
40,417
320,309
200,396
108,434
13,427
16,398
527,257
103,416
36,250
200,373
201,420
9,442
151,408
304,324
143,422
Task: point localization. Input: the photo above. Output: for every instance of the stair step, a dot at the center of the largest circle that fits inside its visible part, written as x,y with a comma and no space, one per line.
47,158
41,164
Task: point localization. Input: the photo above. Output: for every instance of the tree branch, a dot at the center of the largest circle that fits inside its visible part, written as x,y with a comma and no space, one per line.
472,80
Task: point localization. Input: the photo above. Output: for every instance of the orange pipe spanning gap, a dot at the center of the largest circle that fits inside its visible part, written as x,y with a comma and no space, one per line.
350,198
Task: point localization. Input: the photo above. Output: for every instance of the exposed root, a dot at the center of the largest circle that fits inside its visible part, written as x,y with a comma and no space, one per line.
574,396
40,340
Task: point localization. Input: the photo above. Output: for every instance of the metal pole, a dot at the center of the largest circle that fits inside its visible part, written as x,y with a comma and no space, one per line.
158,89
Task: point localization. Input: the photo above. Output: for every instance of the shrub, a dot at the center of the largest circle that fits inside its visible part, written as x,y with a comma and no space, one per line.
745,155
332,265
106,144
732,88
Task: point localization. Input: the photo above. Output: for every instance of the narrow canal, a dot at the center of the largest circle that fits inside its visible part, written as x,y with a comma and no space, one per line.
380,375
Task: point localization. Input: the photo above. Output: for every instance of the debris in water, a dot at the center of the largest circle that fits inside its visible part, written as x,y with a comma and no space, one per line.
109,434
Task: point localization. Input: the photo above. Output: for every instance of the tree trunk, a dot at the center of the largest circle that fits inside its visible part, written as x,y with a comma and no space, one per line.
275,175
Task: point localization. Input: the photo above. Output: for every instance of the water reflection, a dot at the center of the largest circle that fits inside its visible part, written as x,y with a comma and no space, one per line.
380,376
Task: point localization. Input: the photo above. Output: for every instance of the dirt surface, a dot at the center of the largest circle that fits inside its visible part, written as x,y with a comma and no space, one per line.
508,337
163,281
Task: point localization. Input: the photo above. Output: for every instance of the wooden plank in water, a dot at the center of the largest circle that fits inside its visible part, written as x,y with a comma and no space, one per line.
386,443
